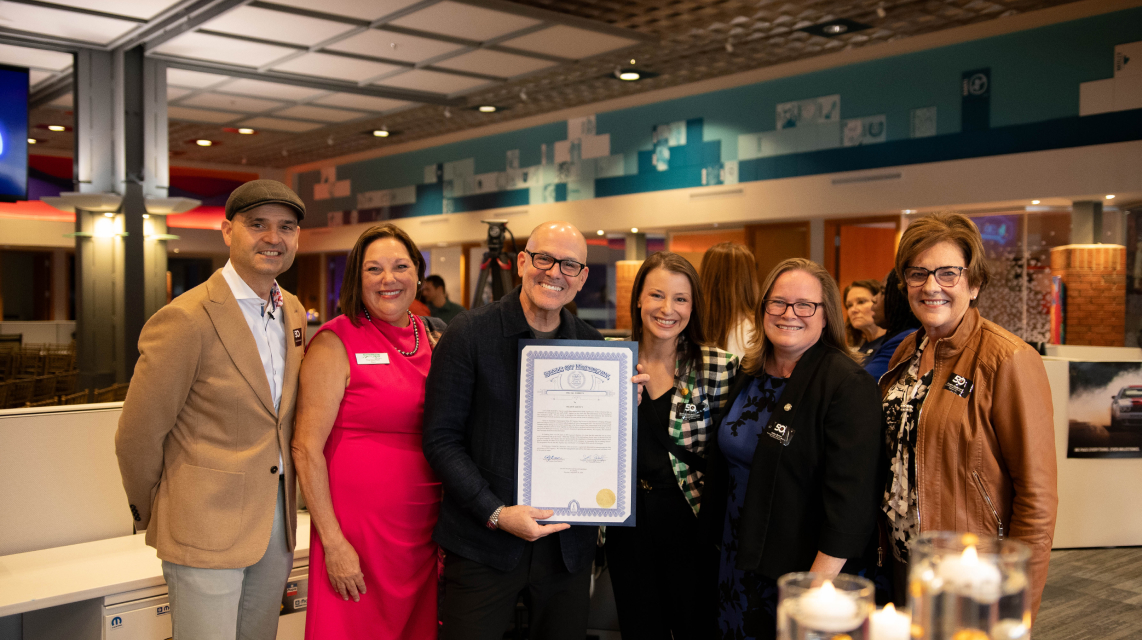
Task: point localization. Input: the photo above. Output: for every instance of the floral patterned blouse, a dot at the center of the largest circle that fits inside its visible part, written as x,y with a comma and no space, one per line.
902,406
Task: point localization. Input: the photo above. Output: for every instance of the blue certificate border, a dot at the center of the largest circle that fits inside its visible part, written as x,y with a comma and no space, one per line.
625,475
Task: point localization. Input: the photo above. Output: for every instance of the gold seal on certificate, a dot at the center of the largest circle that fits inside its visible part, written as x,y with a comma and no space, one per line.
577,427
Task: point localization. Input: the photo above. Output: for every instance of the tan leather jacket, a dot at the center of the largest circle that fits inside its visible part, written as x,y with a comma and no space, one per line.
985,446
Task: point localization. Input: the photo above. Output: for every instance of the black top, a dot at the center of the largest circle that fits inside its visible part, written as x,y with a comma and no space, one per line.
653,460
470,410
821,491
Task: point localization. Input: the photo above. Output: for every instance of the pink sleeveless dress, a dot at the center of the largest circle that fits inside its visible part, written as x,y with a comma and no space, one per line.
385,495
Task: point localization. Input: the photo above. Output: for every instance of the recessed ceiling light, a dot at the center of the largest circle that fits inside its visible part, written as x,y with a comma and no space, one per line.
634,229
907,211
56,127
834,29
1034,202
108,215
203,143
246,131
629,76
1110,196
381,133
632,61
487,108
599,232
146,216
32,141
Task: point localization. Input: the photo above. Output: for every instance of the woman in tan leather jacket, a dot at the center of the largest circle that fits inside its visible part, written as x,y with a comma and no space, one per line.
970,438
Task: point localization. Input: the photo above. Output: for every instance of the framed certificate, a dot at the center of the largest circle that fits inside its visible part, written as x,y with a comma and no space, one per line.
578,423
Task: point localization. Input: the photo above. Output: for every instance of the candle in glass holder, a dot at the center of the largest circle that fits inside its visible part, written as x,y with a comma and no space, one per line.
968,576
826,609
890,624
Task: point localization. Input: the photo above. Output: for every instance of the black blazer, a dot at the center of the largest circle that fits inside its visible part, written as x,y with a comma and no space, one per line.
470,418
819,493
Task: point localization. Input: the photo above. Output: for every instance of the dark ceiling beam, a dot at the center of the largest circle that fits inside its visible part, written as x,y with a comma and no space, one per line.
182,17
307,81
74,9
41,41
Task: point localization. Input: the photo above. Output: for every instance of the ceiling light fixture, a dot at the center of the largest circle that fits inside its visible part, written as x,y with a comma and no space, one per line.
246,131
381,133
634,229
1034,202
56,127
629,76
1110,196
632,61
108,215
486,108
908,211
203,143
32,141
834,28
599,232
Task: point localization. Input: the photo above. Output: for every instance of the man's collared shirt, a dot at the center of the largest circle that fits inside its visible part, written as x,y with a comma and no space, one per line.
267,324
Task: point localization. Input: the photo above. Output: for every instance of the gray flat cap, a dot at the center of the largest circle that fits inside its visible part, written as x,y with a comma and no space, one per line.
259,192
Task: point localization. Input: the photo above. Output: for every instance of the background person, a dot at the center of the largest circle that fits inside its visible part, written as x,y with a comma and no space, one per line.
729,286
372,497
891,312
437,299
793,462
203,440
655,564
495,548
980,457
861,331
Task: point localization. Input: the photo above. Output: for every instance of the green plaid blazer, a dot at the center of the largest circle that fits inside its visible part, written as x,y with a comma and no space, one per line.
699,392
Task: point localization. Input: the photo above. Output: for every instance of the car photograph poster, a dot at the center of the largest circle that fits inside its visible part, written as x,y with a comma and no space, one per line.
1104,415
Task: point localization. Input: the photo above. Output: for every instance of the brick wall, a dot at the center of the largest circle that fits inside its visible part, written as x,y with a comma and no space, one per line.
625,271
1095,278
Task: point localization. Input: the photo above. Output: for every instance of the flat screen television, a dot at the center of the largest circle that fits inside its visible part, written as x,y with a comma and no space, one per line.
13,134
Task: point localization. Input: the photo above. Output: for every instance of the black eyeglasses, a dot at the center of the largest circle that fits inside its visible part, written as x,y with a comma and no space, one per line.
945,276
800,309
543,262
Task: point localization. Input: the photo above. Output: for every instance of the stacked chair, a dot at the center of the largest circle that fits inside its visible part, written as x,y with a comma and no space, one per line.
44,375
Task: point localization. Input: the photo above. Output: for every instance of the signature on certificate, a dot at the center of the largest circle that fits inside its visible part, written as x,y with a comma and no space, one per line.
595,458
553,458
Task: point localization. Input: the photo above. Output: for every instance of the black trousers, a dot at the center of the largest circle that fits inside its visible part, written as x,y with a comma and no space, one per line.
655,570
479,601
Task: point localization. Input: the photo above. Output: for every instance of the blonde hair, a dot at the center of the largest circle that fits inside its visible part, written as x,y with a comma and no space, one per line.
834,332
729,285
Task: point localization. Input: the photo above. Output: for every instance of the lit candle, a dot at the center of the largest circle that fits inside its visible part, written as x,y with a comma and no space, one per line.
826,609
890,624
970,577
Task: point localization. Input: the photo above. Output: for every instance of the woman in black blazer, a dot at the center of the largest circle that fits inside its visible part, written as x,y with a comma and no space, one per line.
793,462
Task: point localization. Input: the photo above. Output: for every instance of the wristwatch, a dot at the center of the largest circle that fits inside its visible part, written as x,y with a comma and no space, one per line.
493,522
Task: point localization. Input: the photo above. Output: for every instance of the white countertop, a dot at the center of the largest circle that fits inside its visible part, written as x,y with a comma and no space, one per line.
51,577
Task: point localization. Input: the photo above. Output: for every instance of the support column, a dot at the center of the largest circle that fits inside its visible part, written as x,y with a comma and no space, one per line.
121,173
636,246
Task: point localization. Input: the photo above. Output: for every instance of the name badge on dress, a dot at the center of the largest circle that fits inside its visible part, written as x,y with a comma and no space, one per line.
959,385
780,432
372,358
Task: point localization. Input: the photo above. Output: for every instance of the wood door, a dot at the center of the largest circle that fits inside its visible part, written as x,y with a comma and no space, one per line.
866,253
773,243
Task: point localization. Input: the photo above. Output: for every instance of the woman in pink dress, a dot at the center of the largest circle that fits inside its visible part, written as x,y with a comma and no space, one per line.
372,497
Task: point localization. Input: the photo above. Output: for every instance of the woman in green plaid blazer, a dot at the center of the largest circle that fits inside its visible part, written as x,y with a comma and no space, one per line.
688,385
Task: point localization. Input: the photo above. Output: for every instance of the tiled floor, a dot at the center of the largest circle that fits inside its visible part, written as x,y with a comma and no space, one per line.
1093,594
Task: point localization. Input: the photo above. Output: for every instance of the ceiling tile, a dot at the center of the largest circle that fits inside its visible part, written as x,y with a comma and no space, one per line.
278,26
200,115
35,58
36,76
145,9
369,103
204,46
263,89
64,102
324,114
360,9
280,124
63,23
432,81
230,103
330,66
569,42
464,21
380,43
494,63
193,79
174,93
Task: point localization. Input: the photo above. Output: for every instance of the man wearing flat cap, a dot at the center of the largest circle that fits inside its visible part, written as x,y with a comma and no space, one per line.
203,440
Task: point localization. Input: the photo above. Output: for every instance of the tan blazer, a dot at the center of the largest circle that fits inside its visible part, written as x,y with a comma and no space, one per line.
199,439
